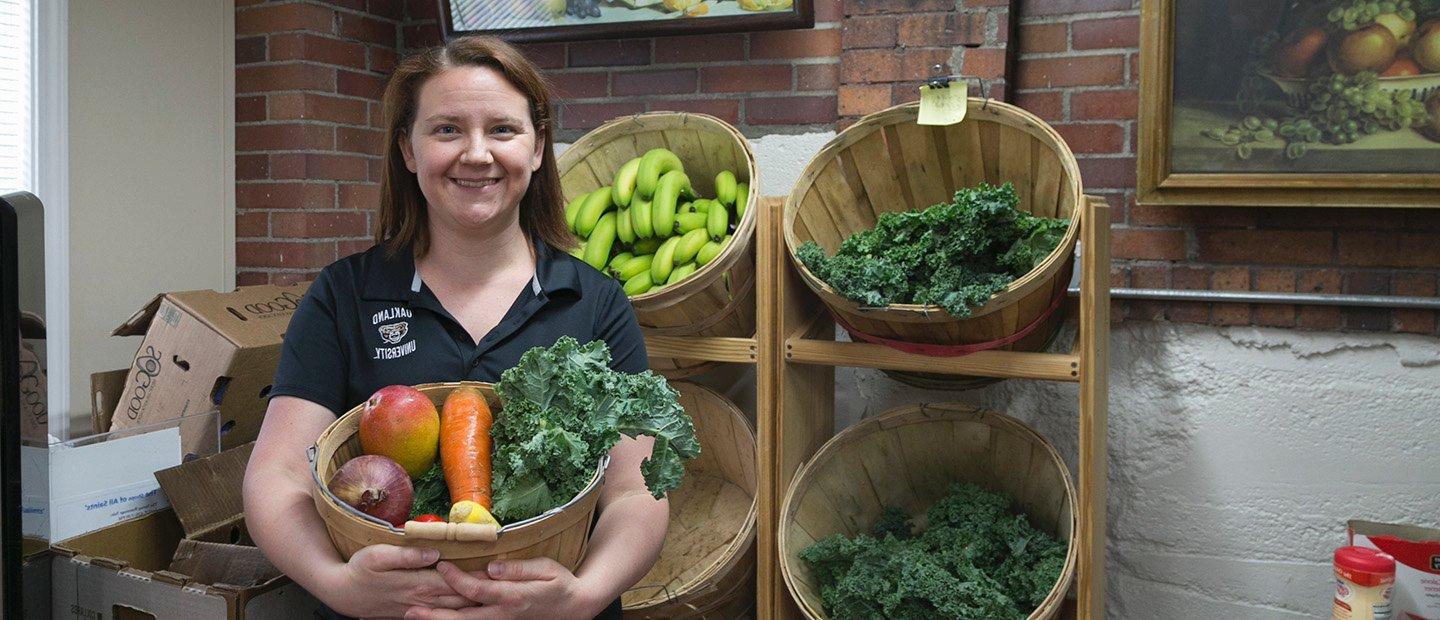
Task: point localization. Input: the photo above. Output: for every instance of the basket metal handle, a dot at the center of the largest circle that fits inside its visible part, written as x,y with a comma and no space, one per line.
458,532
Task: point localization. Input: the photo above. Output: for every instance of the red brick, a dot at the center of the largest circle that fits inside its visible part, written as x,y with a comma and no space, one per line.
1415,321
1044,38
354,5
937,29
700,48
671,82
790,111
1106,33
1144,243
829,11
1365,283
382,59
367,29
863,32
348,247
357,140
1282,247
283,18
984,63
544,55
1049,106
249,109
313,107
284,196
1230,279
359,84
1092,137
745,78
377,115
813,43
255,224
1071,71
1147,276
289,76
283,137
918,64
291,277
1418,219
253,167
578,85
1188,312
313,48
903,93
419,10
314,225
360,197
250,50
1107,172
895,7
374,170
1226,314
869,66
988,3
1190,278
389,9
1415,285
727,110
1104,104
610,53
592,115
1070,7
1319,318
823,76
251,278
421,36
1388,249
279,254
859,100
319,166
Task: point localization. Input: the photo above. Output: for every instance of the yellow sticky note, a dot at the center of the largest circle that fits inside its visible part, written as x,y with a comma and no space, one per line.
943,106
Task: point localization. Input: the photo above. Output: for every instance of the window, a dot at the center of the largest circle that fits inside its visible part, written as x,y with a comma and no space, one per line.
16,96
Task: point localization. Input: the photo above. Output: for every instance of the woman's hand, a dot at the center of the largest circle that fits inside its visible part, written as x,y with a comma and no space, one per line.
538,588
386,580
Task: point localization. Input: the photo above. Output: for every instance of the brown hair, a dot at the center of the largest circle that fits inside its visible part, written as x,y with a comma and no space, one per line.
402,206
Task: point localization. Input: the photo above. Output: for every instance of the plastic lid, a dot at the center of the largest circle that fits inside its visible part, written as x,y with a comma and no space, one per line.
1364,559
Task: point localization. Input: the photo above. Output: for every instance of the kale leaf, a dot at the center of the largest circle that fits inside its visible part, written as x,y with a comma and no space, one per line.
563,409
953,255
431,495
974,560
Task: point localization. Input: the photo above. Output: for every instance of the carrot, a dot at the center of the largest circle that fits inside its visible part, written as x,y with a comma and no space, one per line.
465,454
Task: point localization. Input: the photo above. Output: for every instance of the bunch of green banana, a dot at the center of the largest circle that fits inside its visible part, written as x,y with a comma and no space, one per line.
649,229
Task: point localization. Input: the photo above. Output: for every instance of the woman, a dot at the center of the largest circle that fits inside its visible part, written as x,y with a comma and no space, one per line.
469,271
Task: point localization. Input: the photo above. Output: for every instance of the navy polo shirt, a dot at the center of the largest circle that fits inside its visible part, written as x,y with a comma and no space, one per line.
369,321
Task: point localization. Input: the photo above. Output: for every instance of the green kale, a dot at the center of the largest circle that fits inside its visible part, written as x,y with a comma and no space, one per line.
974,560
563,409
953,255
431,495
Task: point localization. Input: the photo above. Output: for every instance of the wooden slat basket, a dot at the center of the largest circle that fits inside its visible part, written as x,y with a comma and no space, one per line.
886,163
561,534
719,299
707,567
908,457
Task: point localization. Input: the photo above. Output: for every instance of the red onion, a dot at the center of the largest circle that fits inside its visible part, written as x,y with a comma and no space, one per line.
376,486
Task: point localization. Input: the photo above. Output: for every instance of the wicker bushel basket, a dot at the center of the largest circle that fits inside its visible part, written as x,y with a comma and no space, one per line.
886,163
908,457
707,568
560,533
719,299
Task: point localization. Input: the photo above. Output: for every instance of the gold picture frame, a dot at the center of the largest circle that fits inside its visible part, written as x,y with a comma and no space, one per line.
1187,164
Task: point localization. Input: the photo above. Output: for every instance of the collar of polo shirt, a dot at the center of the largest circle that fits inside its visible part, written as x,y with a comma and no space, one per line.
397,279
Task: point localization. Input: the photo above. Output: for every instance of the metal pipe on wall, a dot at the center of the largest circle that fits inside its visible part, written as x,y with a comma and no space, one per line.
1256,297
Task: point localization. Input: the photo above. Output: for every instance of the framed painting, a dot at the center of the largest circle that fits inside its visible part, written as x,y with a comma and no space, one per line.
1290,103
573,20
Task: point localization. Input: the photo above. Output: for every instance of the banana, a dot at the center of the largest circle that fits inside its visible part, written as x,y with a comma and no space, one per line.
708,252
664,260
621,257
633,267
718,221
725,187
641,218
686,222
654,164
703,206
590,212
667,195
638,285
646,246
597,247
680,273
624,227
688,207
690,244
572,208
625,182
742,196
578,251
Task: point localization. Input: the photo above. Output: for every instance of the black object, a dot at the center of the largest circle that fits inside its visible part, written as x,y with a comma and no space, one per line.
10,530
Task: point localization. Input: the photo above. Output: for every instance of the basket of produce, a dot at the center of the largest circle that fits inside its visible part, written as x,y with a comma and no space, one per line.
660,202
954,238
466,468
707,567
930,511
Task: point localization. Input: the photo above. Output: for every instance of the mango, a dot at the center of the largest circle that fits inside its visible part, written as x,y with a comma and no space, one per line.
400,423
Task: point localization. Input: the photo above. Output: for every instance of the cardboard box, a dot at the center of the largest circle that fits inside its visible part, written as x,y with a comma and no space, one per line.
105,390
206,350
1417,565
194,560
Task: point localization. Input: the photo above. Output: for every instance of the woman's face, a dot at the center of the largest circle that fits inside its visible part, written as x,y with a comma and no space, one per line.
472,148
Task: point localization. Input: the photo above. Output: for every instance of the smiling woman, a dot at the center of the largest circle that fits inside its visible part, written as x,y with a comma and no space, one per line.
469,271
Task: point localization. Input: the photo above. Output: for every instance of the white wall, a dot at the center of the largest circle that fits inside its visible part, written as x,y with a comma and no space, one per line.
1236,454
151,166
